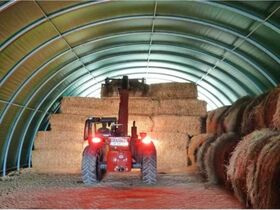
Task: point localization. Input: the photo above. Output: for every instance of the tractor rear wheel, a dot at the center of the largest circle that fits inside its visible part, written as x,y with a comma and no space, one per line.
91,172
149,169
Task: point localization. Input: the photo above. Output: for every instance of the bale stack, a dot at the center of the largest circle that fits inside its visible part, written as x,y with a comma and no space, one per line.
57,152
245,154
170,114
262,181
249,120
233,116
173,90
214,120
217,157
201,154
193,146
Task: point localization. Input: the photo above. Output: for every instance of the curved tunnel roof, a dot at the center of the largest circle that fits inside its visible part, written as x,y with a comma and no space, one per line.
51,49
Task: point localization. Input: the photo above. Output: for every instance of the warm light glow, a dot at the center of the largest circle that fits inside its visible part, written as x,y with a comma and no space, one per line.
147,140
96,140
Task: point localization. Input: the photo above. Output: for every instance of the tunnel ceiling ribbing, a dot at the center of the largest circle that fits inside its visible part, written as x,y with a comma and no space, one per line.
50,49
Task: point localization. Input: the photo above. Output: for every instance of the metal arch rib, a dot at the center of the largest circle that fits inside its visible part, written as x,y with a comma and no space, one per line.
243,13
212,25
184,36
45,97
20,114
254,43
11,71
82,5
7,5
228,64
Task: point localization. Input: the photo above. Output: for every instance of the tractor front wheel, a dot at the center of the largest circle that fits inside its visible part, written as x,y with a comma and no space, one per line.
149,169
91,172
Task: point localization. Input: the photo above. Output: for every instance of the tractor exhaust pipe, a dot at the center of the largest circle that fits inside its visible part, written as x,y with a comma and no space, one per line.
123,107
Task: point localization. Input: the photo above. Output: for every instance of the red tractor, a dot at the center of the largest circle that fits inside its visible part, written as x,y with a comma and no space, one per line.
112,150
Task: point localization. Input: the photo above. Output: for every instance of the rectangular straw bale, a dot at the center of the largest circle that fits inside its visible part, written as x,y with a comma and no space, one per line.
56,161
171,149
173,90
177,124
142,106
191,107
40,138
143,123
61,139
90,106
67,122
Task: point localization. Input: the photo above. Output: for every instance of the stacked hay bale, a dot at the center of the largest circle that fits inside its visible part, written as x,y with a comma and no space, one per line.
224,125
217,157
170,114
239,155
263,182
193,146
244,159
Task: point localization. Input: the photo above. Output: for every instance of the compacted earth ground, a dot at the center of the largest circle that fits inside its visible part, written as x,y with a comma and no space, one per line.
180,189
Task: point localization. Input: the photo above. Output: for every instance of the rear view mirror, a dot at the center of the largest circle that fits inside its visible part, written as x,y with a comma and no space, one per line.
87,129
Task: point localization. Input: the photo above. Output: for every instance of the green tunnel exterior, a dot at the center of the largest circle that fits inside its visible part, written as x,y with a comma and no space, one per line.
52,49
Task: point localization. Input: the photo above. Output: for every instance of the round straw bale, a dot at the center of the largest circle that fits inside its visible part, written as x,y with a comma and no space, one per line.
213,119
263,178
233,117
276,116
248,123
218,157
194,144
201,154
270,104
245,152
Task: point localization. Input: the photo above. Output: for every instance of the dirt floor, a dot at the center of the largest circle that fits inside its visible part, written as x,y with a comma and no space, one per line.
173,190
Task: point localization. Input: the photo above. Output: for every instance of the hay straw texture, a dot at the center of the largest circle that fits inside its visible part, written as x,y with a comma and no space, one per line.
56,161
245,152
144,106
256,117
194,144
64,139
62,122
177,124
276,116
173,90
213,122
233,116
143,123
90,106
218,157
270,104
171,149
201,154
263,176
137,106
190,107
248,123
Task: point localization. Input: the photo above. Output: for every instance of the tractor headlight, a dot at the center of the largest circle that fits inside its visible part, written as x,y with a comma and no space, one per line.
96,140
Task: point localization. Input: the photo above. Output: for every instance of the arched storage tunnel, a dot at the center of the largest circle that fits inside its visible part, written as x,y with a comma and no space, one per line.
52,49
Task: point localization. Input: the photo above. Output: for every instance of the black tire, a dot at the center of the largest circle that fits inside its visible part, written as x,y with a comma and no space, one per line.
91,172
149,169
